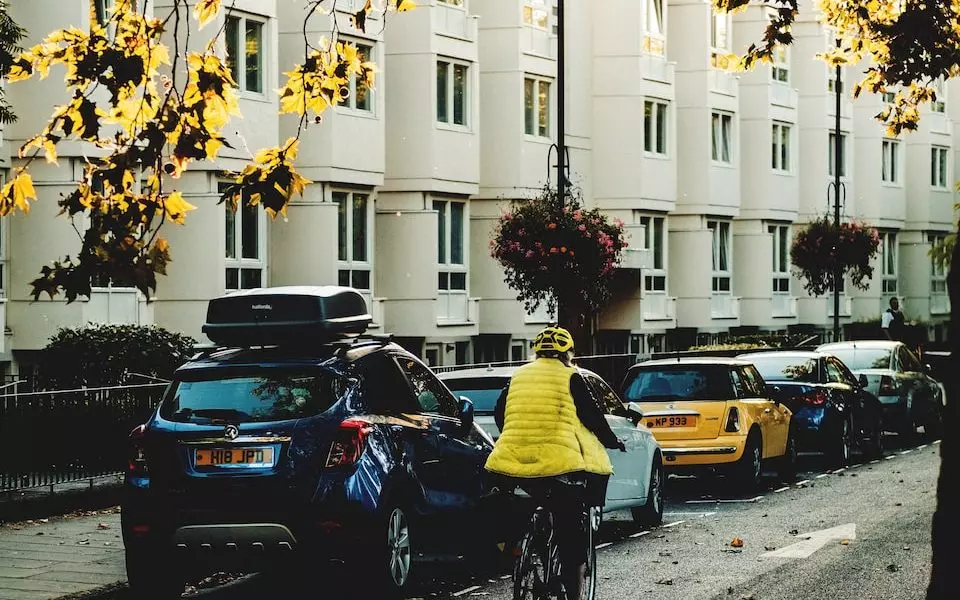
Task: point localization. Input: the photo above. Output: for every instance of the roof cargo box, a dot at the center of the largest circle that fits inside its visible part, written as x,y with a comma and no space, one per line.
286,316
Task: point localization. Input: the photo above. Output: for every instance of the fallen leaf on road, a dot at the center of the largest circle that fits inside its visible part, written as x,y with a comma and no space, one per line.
736,543
844,542
893,568
665,582
38,533
666,553
899,504
44,520
906,547
769,548
83,543
731,550
794,532
102,526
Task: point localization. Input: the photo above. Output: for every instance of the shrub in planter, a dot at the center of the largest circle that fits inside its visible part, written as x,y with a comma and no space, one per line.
824,246
103,355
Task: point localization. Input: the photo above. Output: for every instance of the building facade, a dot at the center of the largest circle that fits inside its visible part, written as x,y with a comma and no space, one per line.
713,172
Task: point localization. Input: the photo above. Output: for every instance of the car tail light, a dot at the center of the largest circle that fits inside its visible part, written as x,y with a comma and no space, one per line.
349,443
137,461
888,386
733,420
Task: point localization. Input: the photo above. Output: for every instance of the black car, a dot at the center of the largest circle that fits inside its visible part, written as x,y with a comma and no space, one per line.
298,440
832,410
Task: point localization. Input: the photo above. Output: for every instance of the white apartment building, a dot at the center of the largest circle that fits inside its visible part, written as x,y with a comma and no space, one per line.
712,172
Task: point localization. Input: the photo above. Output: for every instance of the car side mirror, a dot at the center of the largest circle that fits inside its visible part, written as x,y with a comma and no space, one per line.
466,413
634,412
863,381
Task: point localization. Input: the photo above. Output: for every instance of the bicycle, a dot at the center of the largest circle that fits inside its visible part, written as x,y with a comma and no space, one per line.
536,574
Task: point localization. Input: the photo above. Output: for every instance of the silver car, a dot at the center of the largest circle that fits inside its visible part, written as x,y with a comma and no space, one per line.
909,395
637,482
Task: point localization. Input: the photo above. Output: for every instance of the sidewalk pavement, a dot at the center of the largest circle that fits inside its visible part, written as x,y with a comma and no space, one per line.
50,558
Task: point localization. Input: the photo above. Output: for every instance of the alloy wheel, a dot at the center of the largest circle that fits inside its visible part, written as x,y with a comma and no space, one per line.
656,489
756,462
398,544
845,442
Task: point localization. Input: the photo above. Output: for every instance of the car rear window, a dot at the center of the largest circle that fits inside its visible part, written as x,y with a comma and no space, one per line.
272,394
482,391
858,359
680,383
779,368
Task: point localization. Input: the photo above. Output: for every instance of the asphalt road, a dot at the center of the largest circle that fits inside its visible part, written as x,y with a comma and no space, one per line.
858,533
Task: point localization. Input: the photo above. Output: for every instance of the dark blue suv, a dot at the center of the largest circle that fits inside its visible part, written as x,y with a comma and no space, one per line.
298,439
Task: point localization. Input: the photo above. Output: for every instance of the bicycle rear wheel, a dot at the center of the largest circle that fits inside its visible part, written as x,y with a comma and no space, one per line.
593,523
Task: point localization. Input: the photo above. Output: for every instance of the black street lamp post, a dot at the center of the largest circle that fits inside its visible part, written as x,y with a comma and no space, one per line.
839,191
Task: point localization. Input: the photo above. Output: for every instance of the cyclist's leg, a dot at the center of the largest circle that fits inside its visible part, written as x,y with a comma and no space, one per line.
569,503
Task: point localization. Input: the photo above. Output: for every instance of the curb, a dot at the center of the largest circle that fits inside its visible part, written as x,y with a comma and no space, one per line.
38,503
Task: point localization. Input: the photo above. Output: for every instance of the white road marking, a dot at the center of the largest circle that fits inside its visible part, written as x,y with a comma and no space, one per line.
506,577
669,525
688,514
604,545
799,483
936,442
840,470
814,541
906,452
874,461
702,501
821,476
783,489
639,534
891,457
743,501
472,588
922,447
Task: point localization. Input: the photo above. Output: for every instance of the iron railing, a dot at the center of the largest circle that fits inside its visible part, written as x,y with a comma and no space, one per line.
54,437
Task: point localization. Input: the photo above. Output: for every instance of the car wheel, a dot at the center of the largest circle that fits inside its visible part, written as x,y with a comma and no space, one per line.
651,513
150,576
842,446
397,551
788,463
750,465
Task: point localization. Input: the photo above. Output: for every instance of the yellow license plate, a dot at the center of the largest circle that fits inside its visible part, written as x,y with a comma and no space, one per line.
248,457
674,421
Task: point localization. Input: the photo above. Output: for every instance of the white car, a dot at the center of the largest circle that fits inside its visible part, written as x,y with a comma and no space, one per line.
637,481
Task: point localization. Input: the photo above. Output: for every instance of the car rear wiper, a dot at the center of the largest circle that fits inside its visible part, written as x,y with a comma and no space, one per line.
210,415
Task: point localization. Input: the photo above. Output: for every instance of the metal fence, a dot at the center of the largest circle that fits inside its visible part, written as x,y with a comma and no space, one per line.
612,367
60,436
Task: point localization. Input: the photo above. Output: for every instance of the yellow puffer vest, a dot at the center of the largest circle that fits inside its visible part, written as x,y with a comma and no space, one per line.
542,436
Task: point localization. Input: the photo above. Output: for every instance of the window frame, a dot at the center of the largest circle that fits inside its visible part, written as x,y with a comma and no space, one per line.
890,162
447,270
656,121
655,279
450,95
349,104
831,148
940,104
889,262
238,262
348,264
721,274
721,126
938,266
531,8
241,59
939,167
719,49
537,110
781,158
780,240
655,39
780,65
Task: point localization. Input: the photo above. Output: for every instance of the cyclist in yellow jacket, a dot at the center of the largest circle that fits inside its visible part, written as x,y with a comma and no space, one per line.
552,442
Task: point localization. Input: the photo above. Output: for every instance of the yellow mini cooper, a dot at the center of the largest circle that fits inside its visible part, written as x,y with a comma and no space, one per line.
713,412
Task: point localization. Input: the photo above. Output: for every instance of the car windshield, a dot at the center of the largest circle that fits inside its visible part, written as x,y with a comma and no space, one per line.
266,394
707,382
858,359
482,391
779,368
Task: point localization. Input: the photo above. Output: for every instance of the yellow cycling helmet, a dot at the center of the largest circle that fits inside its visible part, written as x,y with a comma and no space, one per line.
553,339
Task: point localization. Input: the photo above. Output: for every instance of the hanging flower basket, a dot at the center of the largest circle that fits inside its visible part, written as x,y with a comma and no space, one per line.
823,247
549,253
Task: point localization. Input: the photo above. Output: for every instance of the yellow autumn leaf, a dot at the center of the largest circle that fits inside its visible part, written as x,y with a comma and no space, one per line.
177,208
23,191
405,5
205,11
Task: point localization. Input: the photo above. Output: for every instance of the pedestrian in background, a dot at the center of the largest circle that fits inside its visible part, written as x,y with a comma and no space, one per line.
892,321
